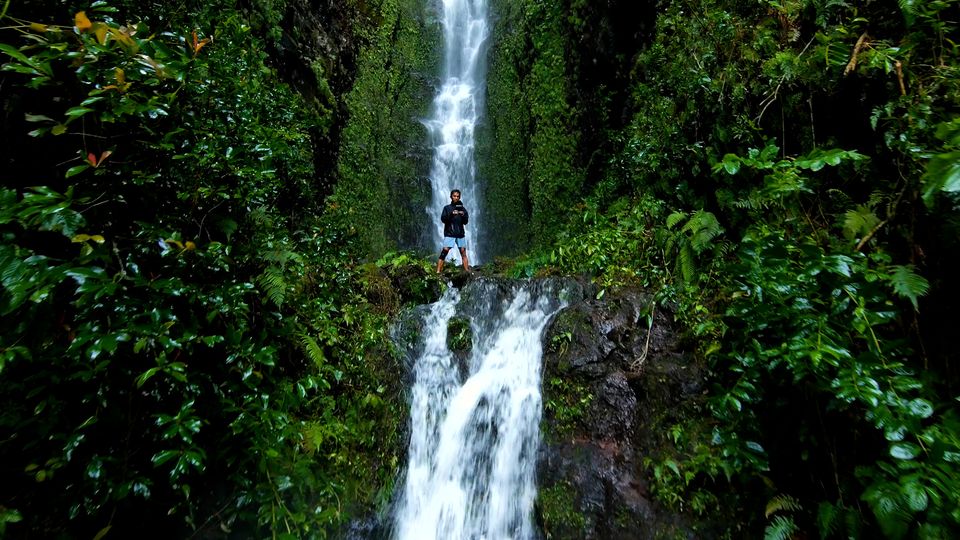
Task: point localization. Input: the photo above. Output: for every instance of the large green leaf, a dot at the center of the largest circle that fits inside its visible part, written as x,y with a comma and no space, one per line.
942,174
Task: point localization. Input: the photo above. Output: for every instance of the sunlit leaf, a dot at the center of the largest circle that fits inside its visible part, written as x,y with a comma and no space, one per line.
904,451
38,118
916,496
100,30
146,375
781,503
75,112
81,21
16,54
920,408
77,169
162,457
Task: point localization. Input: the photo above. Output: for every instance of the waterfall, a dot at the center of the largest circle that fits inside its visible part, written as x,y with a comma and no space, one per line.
475,428
456,108
474,418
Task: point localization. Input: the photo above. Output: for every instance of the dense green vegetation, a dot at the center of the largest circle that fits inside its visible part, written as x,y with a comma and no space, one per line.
784,175
384,158
190,344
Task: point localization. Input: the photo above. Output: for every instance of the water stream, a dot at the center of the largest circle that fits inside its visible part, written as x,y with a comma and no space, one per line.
456,109
475,420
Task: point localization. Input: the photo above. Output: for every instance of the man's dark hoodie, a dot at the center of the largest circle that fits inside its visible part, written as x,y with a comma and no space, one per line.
454,217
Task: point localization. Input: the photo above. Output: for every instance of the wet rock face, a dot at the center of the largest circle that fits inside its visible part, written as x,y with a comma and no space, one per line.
610,385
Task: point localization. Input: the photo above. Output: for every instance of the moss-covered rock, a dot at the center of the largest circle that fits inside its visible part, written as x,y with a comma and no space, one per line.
459,335
604,413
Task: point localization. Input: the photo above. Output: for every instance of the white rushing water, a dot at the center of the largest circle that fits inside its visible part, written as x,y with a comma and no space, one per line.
474,436
456,108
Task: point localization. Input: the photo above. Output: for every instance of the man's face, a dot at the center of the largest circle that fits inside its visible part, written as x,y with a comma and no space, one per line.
455,197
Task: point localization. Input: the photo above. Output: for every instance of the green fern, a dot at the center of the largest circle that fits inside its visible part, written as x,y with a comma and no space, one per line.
781,528
879,198
281,256
703,228
685,263
693,238
313,351
827,519
782,502
783,183
859,222
273,284
752,202
725,248
675,218
908,284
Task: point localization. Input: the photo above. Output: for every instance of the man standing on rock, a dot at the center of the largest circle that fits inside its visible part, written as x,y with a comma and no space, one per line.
454,218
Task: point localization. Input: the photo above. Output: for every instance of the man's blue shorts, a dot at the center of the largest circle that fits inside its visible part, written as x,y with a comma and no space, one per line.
449,242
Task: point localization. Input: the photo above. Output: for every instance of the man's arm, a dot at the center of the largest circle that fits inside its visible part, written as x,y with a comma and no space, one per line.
445,215
465,216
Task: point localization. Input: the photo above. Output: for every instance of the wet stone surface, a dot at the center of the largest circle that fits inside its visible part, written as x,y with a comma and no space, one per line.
634,385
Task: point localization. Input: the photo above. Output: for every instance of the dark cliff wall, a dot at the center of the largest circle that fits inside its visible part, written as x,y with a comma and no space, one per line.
557,95
383,159
616,378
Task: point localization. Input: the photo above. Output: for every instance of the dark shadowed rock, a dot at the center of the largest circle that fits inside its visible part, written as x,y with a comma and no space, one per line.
609,384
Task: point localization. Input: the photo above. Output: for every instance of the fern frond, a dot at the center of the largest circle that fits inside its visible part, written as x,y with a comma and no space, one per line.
781,528
704,228
669,243
725,248
842,198
859,222
782,502
784,183
260,218
312,349
878,198
752,202
273,284
685,263
827,519
675,218
281,256
908,284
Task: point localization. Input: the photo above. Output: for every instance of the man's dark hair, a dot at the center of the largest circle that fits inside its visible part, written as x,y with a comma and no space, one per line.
457,191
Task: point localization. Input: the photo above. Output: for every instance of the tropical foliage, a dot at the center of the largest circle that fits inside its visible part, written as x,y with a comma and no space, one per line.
188,342
785,175
192,341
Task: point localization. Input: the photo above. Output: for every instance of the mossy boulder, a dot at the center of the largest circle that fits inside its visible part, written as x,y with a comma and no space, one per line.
609,395
459,335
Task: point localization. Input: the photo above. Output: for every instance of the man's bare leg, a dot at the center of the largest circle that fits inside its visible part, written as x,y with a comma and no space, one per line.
463,257
443,257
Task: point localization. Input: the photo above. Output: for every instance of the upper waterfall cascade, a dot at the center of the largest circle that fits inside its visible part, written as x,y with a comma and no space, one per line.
456,109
